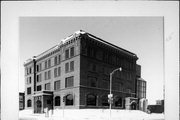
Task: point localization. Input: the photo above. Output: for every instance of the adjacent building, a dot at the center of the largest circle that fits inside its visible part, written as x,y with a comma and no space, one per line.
140,84
21,101
141,90
75,74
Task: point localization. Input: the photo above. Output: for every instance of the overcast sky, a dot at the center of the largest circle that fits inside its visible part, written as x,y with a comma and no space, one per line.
140,35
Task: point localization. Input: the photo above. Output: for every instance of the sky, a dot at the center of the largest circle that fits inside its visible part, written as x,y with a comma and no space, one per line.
140,35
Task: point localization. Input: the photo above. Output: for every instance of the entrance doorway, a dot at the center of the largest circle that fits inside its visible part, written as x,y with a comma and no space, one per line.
39,106
42,100
133,105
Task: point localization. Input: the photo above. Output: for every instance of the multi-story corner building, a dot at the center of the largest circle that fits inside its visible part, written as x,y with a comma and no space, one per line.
75,74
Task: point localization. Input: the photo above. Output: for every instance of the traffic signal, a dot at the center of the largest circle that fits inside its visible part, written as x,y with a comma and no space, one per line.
110,100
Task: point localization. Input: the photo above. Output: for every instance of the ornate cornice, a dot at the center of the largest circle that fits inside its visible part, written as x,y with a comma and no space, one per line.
97,42
111,47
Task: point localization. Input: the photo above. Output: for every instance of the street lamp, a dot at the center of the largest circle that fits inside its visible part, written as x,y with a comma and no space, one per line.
110,96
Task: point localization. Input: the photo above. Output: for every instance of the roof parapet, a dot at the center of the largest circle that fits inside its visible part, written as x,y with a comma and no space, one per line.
28,60
75,34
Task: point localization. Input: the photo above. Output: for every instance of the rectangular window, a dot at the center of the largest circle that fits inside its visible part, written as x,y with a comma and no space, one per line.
29,80
38,78
40,67
105,84
59,59
55,60
49,74
72,51
115,86
26,71
49,63
59,71
91,52
93,67
69,81
29,90
39,88
37,68
67,67
57,85
72,66
30,70
47,86
55,72
45,64
67,54
121,87
92,81
45,75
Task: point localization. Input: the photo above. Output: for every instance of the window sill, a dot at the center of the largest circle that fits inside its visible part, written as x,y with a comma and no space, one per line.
69,71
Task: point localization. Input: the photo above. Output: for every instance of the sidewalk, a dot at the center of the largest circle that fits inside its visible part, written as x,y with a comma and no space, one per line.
91,114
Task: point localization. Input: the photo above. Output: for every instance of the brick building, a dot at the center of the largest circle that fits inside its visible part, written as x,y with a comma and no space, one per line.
75,74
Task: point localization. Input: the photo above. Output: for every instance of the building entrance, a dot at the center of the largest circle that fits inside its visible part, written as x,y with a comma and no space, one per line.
133,105
42,100
39,106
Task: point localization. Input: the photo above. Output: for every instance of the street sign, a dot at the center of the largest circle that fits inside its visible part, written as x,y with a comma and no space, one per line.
110,95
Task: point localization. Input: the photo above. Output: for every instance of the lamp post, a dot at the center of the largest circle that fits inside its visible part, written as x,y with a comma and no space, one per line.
110,93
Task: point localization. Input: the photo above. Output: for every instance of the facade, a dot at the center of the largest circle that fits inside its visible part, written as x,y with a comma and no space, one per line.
21,101
75,74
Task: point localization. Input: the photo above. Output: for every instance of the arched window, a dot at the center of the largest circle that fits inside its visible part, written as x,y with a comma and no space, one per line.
104,100
118,102
69,99
57,101
28,103
91,100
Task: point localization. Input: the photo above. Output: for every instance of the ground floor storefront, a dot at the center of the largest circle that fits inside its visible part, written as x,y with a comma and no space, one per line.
46,101
43,101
